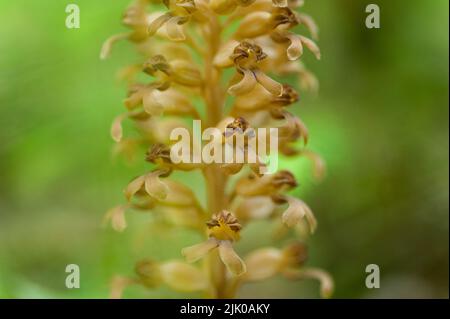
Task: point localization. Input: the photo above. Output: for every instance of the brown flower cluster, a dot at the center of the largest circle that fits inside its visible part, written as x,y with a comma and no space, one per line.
217,61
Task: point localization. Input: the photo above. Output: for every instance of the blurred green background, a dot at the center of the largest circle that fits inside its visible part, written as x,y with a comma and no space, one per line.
380,121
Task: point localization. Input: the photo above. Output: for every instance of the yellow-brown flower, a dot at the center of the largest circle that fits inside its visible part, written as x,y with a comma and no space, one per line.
223,230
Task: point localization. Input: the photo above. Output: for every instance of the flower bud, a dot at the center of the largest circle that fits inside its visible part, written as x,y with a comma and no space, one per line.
253,208
223,6
253,25
263,264
296,211
148,272
182,277
117,217
267,184
151,184
185,73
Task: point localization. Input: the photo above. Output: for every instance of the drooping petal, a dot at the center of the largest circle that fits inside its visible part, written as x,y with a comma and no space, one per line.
270,85
326,282
151,104
310,218
183,277
310,24
154,187
116,128
118,284
318,164
296,211
134,187
246,84
293,214
295,49
325,279
117,217
107,45
157,23
312,46
232,261
198,251
303,130
174,29
308,81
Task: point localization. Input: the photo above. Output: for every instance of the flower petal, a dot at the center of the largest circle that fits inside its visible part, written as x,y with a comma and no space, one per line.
118,284
117,217
174,29
318,164
295,49
232,261
196,252
296,211
310,218
246,84
134,187
325,279
310,24
154,187
151,104
157,23
293,214
312,46
326,282
107,45
270,85
116,128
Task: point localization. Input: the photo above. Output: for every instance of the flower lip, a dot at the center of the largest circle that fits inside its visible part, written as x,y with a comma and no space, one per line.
247,50
224,226
289,96
156,63
284,178
296,254
158,151
285,16
239,124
